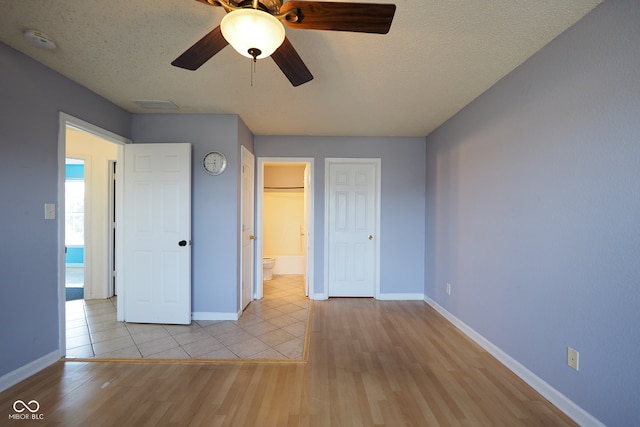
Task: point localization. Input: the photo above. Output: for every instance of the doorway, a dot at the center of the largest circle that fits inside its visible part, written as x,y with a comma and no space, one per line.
87,209
284,192
91,225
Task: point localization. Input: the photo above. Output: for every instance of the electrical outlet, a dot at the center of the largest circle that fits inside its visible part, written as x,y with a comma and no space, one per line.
448,288
572,358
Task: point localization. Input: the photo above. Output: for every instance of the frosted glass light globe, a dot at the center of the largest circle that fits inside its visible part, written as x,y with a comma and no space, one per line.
247,29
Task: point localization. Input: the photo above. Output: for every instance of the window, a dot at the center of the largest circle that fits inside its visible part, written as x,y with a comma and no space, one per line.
74,206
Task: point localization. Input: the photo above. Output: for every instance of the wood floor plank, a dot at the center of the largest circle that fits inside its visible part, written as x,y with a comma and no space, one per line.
370,363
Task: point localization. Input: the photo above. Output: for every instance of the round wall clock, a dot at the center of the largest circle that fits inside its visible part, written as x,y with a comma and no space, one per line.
214,163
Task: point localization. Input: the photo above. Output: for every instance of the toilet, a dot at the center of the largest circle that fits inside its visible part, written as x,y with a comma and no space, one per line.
267,268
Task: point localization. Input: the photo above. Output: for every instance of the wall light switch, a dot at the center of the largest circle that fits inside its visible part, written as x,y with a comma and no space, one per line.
49,211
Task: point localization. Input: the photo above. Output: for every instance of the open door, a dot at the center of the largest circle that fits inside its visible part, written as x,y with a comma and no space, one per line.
307,228
247,234
155,268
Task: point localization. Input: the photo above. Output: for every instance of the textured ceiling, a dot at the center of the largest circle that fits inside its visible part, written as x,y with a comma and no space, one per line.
438,57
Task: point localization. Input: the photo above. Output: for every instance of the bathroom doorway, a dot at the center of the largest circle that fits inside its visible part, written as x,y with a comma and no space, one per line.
284,223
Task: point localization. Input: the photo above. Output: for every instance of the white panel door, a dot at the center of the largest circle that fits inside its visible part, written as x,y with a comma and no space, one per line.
247,235
156,234
352,227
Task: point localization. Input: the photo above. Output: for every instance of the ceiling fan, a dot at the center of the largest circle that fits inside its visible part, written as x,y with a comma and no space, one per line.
316,15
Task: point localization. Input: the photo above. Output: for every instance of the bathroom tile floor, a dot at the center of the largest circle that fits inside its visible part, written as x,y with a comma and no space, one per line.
271,328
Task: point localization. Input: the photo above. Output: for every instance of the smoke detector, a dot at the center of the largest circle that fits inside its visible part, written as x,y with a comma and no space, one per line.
39,39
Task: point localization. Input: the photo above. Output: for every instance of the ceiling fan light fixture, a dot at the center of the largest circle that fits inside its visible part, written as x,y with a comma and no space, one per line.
251,30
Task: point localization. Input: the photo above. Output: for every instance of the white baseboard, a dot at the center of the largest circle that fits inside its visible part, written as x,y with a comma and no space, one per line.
24,372
211,315
382,297
401,297
562,402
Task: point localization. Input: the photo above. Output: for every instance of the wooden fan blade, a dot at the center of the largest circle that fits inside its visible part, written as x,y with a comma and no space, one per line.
291,64
202,50
356,17
214,3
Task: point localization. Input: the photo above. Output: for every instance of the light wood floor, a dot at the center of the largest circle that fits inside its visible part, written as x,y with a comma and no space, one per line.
371,363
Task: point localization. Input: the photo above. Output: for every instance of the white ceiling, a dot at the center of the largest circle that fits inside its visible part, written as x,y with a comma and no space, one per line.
438,57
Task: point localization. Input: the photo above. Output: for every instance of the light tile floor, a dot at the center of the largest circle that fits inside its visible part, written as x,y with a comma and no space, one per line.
271,328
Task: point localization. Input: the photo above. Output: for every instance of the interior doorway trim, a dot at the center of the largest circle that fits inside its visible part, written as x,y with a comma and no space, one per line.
261,162
66,120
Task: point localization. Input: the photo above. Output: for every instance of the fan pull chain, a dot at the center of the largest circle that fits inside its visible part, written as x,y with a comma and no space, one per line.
254,52
253,70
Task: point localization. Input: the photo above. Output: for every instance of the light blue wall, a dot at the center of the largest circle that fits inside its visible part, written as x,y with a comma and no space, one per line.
533,213
402,200
215,224
215,200
532,207
32,97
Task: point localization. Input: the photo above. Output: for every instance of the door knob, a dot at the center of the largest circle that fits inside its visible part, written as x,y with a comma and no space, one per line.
252,237
370,237
182,243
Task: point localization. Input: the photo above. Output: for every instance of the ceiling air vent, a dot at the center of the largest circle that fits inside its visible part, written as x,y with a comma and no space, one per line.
155,104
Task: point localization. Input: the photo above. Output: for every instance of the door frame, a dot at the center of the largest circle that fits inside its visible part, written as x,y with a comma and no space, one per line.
259,177
65,120
377,163
113,182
